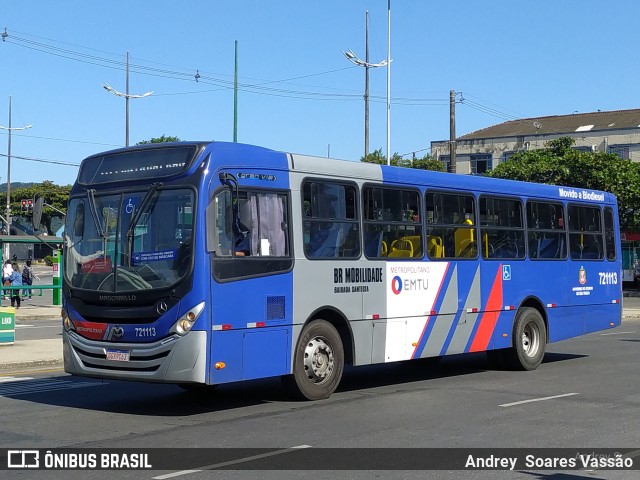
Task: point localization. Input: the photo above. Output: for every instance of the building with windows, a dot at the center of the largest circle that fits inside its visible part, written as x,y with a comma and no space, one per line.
613,132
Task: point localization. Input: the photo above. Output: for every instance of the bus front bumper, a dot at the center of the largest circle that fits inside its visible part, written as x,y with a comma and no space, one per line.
174,359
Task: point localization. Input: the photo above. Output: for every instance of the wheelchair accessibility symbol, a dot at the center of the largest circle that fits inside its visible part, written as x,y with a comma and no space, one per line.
506,272
129,207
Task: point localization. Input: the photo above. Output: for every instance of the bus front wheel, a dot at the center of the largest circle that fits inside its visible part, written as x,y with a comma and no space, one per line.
529,340
318,361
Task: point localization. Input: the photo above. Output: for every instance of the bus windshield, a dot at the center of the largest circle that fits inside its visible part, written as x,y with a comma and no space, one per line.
129,242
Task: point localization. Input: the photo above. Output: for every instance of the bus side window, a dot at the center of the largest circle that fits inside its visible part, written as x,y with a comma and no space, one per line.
585,233
331,224
547,232
451,217
219,225
609,234
392,222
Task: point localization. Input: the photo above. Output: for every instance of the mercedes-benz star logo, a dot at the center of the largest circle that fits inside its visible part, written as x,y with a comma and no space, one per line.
161,307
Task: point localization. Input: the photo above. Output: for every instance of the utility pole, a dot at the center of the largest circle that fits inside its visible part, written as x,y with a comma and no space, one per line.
126,96
388,82
366,84
452,131
235,97
8,211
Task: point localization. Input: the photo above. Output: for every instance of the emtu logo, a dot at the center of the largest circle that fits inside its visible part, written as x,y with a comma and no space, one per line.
396,285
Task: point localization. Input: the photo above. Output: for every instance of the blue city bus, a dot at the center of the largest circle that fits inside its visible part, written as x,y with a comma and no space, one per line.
204,263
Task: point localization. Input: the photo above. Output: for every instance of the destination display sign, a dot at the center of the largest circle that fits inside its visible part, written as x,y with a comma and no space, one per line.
136,165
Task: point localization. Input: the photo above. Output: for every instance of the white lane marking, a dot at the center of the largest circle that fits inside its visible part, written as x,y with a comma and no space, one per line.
39,326
537,399
230,462
175,474
14,379
615,333
11,389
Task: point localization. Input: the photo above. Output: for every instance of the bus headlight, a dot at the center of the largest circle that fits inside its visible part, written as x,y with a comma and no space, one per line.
67,323
186,321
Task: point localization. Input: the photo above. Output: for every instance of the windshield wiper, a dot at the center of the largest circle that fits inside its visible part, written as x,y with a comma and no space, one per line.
94,213
150,198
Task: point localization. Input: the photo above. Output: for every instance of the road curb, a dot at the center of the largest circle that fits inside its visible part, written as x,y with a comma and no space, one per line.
30,365
38,317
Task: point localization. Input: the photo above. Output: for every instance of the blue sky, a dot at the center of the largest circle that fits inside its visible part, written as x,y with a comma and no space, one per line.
510,59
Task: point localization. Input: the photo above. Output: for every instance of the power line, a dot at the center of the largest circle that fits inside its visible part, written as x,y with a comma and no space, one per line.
416,151
480,100
42,160
188,75
137,68
486,109
64,140
255,86
222,84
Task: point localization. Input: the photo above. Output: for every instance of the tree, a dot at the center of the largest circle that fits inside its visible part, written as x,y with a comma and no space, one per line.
375,157
559,164
55,195
425,163
428,163
162,139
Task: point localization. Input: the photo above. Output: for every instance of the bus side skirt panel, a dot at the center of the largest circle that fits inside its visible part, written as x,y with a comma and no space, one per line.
249,354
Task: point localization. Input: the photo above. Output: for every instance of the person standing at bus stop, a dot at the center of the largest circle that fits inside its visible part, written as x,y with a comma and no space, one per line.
16,281
27,278
7,270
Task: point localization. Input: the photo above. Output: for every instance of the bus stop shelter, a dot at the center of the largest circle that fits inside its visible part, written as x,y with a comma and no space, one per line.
54,243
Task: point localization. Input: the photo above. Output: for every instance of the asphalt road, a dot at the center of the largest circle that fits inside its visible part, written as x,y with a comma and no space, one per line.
586,395
38,329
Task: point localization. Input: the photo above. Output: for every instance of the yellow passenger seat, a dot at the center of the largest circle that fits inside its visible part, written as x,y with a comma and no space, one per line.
435,248
402,244
463,238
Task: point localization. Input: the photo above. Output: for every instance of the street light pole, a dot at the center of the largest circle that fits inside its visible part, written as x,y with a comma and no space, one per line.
366,84
388,82
126,101
8,210
353,58
126,96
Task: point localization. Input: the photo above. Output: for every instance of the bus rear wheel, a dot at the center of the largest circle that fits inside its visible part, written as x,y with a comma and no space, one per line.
318,361
529,340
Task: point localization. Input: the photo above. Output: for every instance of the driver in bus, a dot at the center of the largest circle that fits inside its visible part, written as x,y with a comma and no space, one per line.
242,236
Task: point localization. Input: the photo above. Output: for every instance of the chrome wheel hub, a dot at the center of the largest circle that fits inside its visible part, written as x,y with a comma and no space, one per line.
530,339
318,360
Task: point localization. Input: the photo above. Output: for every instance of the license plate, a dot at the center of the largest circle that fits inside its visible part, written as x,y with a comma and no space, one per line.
118,355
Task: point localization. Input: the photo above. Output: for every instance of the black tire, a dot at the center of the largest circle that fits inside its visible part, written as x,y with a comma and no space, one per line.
529,340
318,361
